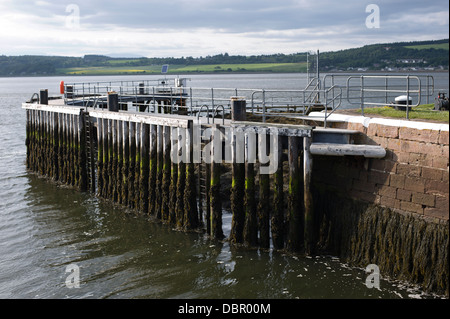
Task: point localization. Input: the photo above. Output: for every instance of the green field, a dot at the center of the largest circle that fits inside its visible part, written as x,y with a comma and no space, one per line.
429,46
180,69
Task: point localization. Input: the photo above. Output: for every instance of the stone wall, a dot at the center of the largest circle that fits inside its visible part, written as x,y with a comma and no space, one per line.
414,175
392,212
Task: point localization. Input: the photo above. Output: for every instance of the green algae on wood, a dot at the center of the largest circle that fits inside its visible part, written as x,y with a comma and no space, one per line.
277,221
190,220
216,230
166,179
144,169
153,171
237,189
295,212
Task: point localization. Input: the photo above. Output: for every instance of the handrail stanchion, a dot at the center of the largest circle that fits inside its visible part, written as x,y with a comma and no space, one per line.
407,97
264,105
362,95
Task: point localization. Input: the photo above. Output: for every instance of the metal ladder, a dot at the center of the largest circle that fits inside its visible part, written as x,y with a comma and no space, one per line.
203,181
89,151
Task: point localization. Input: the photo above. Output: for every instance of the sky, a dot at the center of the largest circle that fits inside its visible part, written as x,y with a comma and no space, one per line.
182,28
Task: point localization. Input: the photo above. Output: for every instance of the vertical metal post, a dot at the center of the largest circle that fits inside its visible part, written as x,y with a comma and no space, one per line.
190,96
385,89
318,77
307,66
212,98
362,95
407,97
264,105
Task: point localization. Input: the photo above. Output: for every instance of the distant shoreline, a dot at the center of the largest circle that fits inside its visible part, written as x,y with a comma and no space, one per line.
225,73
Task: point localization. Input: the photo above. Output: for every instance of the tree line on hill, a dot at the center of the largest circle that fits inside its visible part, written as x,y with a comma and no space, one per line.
372,57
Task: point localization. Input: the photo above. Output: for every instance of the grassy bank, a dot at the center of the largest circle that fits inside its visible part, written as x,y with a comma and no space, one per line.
421,112
181,69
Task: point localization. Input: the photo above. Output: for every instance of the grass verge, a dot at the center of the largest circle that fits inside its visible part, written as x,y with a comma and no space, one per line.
421,112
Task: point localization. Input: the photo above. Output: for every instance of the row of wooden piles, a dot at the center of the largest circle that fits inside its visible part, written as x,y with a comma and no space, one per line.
135,167
56,147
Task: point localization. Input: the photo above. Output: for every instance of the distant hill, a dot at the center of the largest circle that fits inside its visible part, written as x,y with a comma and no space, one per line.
419,55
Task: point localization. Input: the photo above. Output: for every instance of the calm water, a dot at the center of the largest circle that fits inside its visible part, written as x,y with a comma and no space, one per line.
45,227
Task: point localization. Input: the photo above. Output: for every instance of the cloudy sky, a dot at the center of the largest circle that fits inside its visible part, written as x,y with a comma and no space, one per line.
175,28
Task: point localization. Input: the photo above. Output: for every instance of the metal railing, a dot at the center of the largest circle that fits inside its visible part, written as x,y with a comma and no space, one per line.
381,90
151,96
328,94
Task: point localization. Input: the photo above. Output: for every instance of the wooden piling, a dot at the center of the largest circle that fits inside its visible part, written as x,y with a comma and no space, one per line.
110,189
190,219
126,161
214,192
120,162
237,187
99,156
159,170
61,147
137,169
166,177
132,164
295,212
153,171
144,168
69,147
83,169
181,178
308,199
264,203
277,222
114,161
173,177
250,226
208,198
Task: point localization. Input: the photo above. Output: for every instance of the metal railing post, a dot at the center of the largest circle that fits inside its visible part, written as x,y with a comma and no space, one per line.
190,98
362,95
407,97
264,105
212,98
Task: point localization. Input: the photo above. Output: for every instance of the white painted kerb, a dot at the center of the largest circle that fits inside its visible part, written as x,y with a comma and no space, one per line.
366,121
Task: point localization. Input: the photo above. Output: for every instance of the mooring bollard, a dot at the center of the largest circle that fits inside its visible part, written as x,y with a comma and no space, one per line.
238,109
113,101
43,97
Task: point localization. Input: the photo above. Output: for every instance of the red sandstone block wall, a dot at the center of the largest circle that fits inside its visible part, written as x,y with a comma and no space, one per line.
413,177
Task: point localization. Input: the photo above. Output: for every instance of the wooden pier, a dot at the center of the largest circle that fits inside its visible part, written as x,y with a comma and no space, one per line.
294,188
172,166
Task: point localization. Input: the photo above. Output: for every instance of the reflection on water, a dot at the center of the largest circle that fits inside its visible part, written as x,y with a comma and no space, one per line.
121,255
